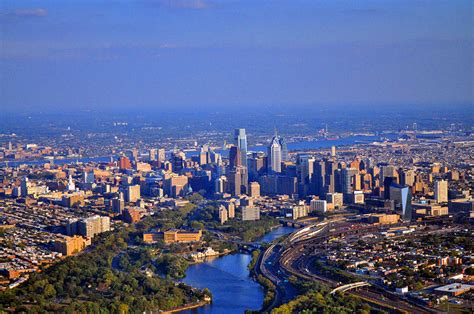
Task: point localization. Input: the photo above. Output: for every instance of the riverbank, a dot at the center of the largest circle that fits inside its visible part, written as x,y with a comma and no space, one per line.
188,307
229,280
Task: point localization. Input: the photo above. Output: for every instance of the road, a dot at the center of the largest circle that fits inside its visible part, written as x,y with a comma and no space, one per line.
295,257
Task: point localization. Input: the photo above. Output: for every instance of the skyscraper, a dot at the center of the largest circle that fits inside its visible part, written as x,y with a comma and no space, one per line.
240,139
284,149
235,157
441,191
274,155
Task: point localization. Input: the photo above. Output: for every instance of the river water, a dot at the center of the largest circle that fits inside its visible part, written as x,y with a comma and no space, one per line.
228,280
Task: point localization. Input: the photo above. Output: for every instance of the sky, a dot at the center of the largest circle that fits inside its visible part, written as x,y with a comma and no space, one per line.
201,54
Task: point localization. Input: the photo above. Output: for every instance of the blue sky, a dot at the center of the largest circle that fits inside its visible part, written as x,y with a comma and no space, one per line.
209,54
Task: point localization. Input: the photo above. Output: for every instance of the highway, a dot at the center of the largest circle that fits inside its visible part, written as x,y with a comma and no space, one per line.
294,256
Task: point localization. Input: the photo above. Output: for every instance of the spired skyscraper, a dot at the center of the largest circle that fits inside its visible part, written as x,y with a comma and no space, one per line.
240,139
274,155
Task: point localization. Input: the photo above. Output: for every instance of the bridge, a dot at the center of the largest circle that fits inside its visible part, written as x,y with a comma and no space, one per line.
293,223
350,286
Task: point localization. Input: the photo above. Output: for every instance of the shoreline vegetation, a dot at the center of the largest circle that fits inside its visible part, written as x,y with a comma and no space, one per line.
119,273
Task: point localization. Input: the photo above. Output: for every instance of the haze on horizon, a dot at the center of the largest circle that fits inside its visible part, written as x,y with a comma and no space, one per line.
161,54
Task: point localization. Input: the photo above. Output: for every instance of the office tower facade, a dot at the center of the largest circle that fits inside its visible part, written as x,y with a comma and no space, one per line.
152,154
223,214
407,177
254,189
235,157
250,213
274,155
161,155
318,206
349,180
91,226
132,194
441,191
124,163
240,140
402,197
284,150
256,165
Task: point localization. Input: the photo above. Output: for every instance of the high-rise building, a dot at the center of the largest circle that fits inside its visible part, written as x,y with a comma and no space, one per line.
91,226
274,155
223,214
124,163
250,213
284,149
318,205
257,165
240,140
441,191
402,197
238,181
161,155
349,180
132,193
254,189
333,151
24,187
235,157
70,185
407,177
152,154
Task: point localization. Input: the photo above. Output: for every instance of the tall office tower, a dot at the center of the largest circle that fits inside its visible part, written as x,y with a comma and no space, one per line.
223,214
234,179
250,213
91,226
204,156
117,205
254,189
349,180
329,181
304,174
178,161
319,178
220,185
284,149
256,165
387,171
152,154
240,140
274,155
402,197
441,191
133,193
407,177
387,182
124,163
70,185
24,187
333,151
161,155
235,157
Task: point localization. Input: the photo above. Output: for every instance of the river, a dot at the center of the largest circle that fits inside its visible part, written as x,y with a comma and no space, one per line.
227,277
293,146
